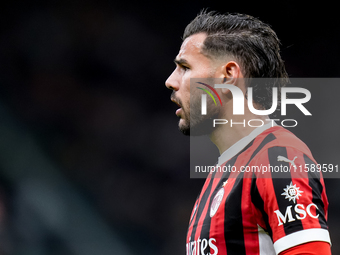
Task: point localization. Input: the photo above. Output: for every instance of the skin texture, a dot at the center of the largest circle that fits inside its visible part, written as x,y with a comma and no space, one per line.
191,62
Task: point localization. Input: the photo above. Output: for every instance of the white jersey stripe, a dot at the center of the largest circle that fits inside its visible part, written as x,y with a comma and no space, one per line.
301,237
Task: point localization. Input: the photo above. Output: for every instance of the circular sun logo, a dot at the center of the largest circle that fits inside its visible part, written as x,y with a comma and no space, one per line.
292,192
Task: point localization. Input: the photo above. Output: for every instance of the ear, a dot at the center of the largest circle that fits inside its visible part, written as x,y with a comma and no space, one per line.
231,72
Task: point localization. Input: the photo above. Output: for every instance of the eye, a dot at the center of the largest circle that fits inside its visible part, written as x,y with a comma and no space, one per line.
185,68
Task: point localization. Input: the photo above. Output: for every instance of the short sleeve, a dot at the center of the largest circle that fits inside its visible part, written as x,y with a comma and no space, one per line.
289,201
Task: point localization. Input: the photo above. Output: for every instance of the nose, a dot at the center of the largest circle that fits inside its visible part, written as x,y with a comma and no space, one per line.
172,82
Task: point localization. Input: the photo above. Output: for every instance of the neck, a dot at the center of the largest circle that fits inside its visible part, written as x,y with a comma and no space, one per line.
225,135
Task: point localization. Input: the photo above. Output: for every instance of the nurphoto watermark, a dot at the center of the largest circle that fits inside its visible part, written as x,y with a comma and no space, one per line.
304,107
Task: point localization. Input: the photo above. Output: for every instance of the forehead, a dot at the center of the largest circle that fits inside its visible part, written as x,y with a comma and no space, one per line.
192,46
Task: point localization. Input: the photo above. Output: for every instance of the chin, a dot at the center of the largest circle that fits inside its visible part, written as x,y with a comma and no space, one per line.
204,127
184,127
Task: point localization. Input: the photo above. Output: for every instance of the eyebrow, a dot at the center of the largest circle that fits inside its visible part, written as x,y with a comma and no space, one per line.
181,61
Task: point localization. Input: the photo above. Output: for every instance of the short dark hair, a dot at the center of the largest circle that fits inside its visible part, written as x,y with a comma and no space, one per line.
250,41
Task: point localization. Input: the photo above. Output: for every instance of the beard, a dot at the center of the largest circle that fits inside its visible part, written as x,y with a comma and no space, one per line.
194,123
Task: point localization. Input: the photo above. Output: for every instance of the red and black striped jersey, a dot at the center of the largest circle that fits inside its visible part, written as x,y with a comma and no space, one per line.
261,209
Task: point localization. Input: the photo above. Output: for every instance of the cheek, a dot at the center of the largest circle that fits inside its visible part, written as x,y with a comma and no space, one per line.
186,87
206,71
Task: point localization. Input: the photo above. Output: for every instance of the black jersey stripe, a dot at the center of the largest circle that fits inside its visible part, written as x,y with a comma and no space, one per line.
201,206
280,181
256,197
233,222
232,161
233,226
195,211
205,232
259,203
196,204
270,137
245,148
203,201
317,189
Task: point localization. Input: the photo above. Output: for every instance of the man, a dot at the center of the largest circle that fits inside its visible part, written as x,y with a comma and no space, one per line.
246,212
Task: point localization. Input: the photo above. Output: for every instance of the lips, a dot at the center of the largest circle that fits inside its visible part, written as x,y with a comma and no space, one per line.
174,101
178,111
177,104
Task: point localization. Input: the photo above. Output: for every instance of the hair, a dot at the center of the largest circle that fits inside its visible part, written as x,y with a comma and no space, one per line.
253,44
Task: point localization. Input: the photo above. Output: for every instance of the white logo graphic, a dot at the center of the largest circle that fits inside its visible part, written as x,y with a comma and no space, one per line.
300,213
238,99
292,192
202,247
282,158
216,202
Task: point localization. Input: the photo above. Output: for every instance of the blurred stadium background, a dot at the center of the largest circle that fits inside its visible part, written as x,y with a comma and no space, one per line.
91,161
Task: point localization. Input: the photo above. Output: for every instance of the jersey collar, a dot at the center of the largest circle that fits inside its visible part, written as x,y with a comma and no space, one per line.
240,144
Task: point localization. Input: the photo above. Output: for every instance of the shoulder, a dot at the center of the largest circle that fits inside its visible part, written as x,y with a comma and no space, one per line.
278,141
